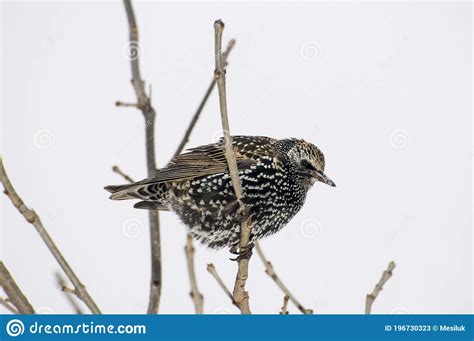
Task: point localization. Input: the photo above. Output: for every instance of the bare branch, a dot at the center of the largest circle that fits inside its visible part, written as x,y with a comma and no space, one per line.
8,306
61,282
270,271
11,289
31,217
241,296
213,271
197,114
144,104
195,294
369,300
117,170
284,308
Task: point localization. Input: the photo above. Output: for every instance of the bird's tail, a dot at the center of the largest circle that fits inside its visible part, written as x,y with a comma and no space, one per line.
123,192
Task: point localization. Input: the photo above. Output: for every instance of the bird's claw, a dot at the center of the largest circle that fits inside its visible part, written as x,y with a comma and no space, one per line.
244,253
234,249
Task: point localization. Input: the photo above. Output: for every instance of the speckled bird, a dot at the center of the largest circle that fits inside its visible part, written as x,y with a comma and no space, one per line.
196,185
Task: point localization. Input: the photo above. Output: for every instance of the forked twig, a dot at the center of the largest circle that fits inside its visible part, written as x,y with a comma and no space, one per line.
61,282
370,298
31,217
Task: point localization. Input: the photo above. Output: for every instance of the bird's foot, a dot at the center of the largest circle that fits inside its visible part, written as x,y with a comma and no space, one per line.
243,253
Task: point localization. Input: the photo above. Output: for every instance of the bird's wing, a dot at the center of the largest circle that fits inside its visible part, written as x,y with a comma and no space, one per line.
210,159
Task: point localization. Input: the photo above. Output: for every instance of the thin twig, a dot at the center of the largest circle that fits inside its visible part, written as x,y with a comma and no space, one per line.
284,308
270,271
144,104
241,296
195,294
11,289
219,75
124,104
370,298
68,290
198,300
61,282
213,271
8,306
117,170
31,217
197,114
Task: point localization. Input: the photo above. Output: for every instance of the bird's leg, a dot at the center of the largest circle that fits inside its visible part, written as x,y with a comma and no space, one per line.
243,253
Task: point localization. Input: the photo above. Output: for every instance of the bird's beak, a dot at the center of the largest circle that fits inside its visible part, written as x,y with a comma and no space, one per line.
321,177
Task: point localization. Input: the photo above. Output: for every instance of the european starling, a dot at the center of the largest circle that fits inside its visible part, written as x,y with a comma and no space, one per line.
196,185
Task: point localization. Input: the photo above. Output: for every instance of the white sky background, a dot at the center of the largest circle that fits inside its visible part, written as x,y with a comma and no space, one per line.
387,97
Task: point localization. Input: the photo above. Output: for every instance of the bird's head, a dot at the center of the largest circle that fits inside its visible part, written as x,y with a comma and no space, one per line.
308,162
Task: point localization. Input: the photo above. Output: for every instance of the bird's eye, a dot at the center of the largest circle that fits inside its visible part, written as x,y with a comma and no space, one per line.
306,164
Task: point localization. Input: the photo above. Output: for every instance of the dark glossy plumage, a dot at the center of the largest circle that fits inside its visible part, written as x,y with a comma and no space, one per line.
275,177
